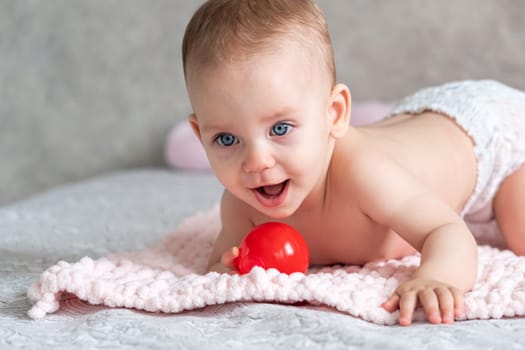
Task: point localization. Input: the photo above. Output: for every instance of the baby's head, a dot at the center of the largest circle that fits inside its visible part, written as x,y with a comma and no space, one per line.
260,77
228,31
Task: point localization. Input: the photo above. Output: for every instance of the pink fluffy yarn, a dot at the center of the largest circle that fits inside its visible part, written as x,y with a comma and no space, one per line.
170,276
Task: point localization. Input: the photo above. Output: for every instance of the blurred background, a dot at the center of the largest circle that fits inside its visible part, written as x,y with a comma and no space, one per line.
92,87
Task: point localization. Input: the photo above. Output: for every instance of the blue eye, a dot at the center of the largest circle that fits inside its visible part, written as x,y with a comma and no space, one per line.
281,129
226,140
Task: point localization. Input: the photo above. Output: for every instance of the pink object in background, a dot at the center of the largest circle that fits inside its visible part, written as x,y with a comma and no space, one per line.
183,149
369,112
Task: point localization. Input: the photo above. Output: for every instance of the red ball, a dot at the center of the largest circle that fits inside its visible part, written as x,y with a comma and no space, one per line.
273,245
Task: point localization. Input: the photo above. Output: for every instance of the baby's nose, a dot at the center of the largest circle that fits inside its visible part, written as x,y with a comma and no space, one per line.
257,159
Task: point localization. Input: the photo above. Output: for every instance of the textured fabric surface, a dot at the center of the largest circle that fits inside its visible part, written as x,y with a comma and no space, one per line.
170,277
89,87
130,211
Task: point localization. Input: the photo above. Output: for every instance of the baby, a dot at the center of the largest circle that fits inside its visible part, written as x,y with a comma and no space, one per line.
275,127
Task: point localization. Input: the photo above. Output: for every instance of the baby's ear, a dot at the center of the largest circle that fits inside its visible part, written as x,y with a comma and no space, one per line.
339,110
195,125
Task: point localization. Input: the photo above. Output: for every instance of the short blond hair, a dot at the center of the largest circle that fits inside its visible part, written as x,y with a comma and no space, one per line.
224,30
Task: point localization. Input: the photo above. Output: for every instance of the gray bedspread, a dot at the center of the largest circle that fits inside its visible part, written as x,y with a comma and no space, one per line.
129,210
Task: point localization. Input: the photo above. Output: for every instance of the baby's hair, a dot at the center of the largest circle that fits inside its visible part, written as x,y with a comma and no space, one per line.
225,30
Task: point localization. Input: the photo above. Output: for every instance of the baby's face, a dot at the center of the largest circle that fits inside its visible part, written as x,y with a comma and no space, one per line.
264,126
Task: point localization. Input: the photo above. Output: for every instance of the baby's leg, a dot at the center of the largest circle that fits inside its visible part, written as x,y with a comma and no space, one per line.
509,208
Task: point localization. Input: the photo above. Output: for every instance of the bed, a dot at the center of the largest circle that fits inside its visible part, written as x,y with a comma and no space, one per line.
127,211
83,173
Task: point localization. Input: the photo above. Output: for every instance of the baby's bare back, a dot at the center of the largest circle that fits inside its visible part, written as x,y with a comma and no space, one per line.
434,149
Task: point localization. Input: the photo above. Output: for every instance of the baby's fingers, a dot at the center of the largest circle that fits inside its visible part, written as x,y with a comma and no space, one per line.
434,303
407,305
229,256
458,302
392,303
441,304
446,304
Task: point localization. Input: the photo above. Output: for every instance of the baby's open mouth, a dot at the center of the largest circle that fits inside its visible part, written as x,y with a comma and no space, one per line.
272,191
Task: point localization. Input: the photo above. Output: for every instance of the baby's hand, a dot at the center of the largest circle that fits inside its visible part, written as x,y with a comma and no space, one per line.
441,302
226,264
229,256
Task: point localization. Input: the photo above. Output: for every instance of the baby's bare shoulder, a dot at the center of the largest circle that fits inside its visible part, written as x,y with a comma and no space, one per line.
374,178
354,165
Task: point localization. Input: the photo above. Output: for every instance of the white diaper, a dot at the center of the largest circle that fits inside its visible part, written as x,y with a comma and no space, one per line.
493,114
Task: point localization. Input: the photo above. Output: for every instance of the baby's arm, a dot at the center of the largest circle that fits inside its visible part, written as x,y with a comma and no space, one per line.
235,225
448,250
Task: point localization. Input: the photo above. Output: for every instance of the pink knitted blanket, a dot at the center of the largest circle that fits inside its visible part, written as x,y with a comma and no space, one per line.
169,277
